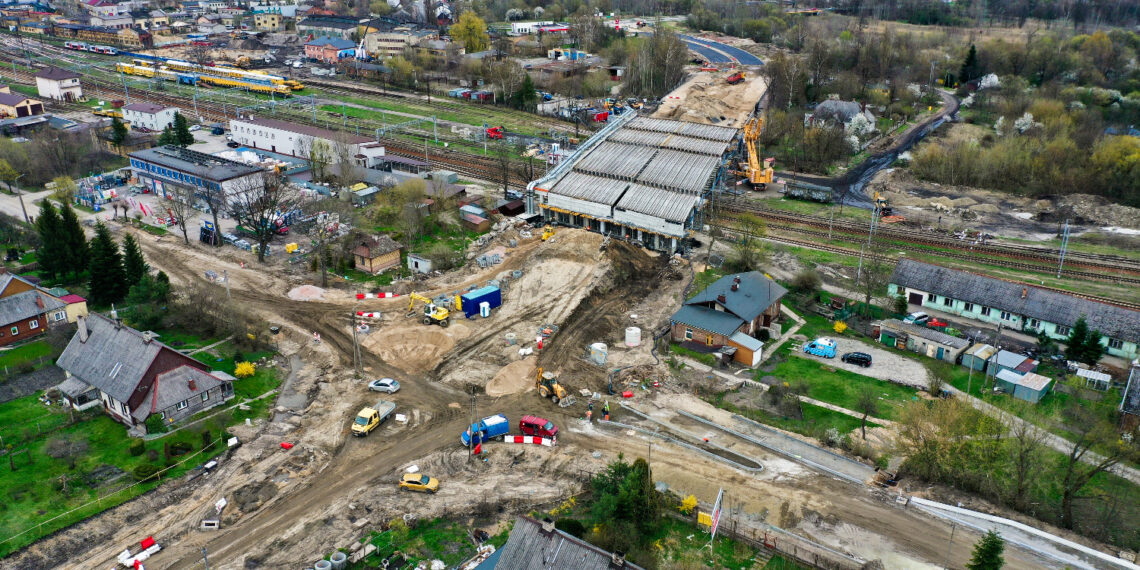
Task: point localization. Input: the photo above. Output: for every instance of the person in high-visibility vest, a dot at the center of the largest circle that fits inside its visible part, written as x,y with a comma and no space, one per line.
589,411
606,410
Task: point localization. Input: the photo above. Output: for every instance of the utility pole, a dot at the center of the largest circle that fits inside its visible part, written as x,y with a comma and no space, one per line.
471,422
20,195
355,347
205,558
1064,247
953,527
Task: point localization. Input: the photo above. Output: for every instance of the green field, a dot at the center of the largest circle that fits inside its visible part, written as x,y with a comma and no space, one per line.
839,387
24,354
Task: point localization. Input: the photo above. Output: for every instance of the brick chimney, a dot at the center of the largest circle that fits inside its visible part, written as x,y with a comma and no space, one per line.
193,385
1024,292
721,299
547,526
147,336
39,301
735,287
81,322
617,559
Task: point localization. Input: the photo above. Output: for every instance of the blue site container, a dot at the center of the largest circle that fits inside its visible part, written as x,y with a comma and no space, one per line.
493,296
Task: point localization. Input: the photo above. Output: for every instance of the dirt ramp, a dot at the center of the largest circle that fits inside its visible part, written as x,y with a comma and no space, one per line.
513,378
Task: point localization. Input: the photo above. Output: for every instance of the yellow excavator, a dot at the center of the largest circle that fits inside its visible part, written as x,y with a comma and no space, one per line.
883,205
547,232
433,314
548,386
759,176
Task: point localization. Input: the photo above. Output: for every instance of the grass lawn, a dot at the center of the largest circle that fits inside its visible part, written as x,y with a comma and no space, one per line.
815,423
679,542
701,357
222,358
382,280
25,353
100,471
183,341
840,387
435,539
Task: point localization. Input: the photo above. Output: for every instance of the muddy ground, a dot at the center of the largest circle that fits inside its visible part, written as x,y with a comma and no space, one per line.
705,98
287,507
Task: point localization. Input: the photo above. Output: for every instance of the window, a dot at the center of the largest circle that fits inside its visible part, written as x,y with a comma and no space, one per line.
34,324
688,334
932,297
968,307
1115,343
947,301
182,405
985,311
15,331
1034,323
1062,331
1006,316
205,396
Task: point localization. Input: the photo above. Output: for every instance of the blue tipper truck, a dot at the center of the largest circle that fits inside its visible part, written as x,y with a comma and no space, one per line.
469,302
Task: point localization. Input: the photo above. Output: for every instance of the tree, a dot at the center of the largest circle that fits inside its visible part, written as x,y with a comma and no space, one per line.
1026,443
75,250
168,137
1083,345
988,552
748,249
50,255
64,188
180,203
108,282
324,230
134,265
319,155
471,31
1088,430
806,282
866,403
526,97
971,68
874,271
255,202
182,135
119,132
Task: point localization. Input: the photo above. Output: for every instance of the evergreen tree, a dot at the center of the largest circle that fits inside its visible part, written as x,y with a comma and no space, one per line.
50,256
108,281
971,69
134,265
74,240
167,137
118,132
182,134
161,287
988,553
1083,345
526,97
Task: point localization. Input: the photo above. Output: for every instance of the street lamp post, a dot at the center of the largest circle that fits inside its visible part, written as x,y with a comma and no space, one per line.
20,195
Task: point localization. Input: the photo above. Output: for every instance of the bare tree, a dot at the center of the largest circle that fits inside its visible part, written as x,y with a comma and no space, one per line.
1026,443
874,271
318,154
867,403
503,159
181,205
344,151
216,201
255,203
330,213
200,54
1090,430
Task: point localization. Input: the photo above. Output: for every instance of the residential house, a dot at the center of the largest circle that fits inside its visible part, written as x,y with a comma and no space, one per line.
329,50
59,84
1029,386
76,307
268,22
533,544
328,26
1017,306
735,311
1006,360
19,105
137,376
375,254
1130,401
418,263
28,314
917,338
149,116
836,112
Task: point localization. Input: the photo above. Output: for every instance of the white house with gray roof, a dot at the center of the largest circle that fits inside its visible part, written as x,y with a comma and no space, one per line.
137,376
1016,306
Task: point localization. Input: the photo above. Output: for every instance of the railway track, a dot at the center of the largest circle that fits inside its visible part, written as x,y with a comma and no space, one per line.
1101,265
855,252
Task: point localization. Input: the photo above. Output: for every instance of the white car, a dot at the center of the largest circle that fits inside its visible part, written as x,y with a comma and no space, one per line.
917,318
196,128
384,385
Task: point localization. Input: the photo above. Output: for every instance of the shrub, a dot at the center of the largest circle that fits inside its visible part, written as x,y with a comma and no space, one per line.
839,327
245,370
138,447
571,526
806,281
688,504
207,442
146,472
180,448
155,424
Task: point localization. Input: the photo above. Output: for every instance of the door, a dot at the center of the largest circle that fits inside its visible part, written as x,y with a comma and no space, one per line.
940,352
915,299
708,340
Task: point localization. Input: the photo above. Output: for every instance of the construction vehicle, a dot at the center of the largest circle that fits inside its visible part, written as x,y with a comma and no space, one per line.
495,133
883,205
371,417
108,113
547,232
735,78
548,386
433,314
759,177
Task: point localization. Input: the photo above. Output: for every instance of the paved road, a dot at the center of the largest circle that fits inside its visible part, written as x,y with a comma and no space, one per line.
716,52
802,451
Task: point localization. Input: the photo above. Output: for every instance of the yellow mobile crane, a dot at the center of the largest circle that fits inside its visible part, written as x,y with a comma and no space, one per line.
759,177
433,314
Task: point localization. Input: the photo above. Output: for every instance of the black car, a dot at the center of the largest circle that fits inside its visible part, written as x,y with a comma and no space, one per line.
861,358
233,144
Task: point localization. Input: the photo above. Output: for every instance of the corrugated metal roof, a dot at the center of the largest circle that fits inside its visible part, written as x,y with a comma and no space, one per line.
746,341
928,334
1041,304
592,188
710,132
616,160
711,320
664,204
676,170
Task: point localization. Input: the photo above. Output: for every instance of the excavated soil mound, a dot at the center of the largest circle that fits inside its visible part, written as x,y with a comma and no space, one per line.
513,378
306,293
416,347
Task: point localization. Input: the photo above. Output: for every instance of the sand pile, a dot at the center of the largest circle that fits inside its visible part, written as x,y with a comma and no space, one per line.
513,378
416,347
306,293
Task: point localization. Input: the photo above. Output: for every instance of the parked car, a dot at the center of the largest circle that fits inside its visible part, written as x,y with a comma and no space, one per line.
384,385
861,358
229,238
419,482
233,144
195,128
534,425
918,318
824,347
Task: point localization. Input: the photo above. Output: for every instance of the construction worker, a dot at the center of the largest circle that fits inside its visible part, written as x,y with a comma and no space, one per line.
589,410
606,410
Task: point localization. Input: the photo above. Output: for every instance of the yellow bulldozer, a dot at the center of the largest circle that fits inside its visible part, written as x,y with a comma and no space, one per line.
432,314
548,386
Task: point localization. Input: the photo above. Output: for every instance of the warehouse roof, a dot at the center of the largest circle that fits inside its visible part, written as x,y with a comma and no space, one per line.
670,206
315,132
201,164
1041,304
1035,382
923,332
591,188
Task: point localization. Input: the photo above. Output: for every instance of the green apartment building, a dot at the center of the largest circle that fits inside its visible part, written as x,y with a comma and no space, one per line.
1017,306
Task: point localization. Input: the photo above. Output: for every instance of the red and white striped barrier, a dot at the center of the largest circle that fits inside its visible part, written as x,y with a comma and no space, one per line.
362,296
365,315
531,439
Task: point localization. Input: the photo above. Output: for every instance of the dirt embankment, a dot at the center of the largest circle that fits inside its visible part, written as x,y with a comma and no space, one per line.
706,98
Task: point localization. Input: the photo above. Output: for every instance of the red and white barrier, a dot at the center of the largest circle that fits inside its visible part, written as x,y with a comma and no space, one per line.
367,315
531,439
362,296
